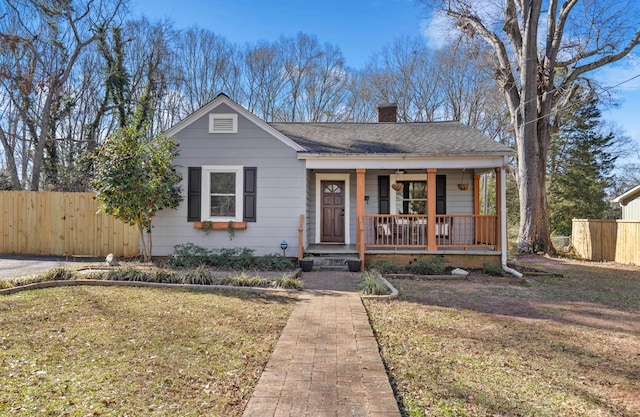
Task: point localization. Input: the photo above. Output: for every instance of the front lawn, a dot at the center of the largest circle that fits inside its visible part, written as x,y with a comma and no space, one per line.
112,351
561,346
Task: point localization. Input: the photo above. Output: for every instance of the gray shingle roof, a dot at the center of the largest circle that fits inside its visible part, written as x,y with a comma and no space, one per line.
432,138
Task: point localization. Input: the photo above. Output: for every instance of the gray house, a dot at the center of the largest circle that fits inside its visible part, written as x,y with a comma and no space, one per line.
630,203
370,189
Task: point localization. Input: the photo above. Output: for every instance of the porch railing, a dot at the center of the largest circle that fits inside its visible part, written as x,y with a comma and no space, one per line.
410,231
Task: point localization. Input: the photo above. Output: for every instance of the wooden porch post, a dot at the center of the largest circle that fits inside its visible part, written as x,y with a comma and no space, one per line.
476,194
431,209
499,186
360,211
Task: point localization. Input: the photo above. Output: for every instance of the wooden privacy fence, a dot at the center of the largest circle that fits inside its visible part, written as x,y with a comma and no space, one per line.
607,240
61,224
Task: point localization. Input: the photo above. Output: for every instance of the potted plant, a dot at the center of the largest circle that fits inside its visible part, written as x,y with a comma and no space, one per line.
354,265
306,264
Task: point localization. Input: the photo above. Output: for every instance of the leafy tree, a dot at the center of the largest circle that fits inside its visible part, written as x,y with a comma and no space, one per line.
543,49
134,179
580,166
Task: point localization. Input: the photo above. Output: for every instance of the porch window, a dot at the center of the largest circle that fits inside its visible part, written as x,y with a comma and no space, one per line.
412,199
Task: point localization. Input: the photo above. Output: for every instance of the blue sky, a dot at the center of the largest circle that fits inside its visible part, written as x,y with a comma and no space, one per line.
358,27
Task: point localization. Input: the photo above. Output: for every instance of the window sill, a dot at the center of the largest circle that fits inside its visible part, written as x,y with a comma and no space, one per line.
219,225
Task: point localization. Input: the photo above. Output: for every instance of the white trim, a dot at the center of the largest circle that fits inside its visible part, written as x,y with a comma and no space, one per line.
347,203
621,199
205,190
217,128
222,99
406,162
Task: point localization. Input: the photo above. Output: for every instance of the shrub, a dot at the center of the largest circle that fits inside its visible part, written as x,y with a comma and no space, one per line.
199,276
188,255
273,262
127,274
290,283
97,275
58,274
245,280
384,266
371,283
165,276
492,269
428,266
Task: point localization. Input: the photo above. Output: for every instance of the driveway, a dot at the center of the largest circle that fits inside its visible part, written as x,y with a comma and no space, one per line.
13,266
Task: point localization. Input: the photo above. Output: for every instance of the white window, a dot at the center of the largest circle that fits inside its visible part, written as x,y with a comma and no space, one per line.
222,193
223,123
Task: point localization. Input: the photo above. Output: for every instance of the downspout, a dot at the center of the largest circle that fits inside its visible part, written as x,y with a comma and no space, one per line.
503,221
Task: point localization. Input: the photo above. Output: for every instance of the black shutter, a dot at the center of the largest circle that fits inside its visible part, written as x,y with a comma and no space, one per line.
194,180
250,187
441,194
383,195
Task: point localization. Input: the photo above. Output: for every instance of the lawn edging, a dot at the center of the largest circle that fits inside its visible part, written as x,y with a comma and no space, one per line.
494,279
105,283
394,292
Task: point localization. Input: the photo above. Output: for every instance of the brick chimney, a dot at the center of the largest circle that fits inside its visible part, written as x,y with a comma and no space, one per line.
387,113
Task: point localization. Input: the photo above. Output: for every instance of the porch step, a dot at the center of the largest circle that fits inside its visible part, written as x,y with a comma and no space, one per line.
329,262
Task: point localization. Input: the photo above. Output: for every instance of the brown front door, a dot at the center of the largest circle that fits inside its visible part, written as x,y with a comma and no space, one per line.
332,211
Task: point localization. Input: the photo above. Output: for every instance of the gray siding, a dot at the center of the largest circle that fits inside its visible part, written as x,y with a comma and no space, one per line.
458,202
281,188
631,211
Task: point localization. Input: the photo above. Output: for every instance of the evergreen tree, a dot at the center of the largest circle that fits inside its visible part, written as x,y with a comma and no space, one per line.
580,165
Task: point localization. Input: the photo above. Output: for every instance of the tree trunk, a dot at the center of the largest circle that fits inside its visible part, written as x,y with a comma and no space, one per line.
11,161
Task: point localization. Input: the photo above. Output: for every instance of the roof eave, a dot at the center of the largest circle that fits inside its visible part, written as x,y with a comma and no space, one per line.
629,194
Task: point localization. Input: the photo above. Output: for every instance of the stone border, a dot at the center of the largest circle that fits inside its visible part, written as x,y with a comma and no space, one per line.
506,280
105,283
394,293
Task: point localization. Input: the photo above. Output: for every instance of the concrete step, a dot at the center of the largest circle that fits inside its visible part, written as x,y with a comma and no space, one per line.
334,262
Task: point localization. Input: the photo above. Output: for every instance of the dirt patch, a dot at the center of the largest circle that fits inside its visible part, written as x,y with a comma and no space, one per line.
546,263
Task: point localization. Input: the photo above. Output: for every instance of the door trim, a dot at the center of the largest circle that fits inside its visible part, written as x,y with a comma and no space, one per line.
347,203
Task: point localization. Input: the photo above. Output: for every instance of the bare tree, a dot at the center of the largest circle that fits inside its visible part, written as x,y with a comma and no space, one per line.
41,45
208,67
404,73
541,56
264,79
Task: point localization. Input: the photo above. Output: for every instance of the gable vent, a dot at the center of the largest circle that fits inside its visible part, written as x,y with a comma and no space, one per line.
223,123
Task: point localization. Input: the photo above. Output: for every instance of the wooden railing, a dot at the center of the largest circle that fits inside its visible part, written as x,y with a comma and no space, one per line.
411,231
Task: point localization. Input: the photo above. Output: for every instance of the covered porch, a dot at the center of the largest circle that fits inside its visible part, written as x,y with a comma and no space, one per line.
377,218
432,231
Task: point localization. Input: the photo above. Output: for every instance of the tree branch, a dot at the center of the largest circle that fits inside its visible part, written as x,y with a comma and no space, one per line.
506,73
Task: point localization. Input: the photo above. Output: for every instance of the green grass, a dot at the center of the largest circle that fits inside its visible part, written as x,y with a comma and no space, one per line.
109,351
561,346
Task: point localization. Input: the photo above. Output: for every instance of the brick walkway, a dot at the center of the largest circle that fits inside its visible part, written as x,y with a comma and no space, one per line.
326,362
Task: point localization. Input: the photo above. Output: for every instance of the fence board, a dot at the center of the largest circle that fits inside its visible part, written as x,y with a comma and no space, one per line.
607,240
62,224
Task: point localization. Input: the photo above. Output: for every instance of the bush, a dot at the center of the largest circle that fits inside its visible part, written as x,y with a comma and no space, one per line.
290,283
273,262
428,266
188,255
371,283
384,266
165,276
96,275
127,274
492,269
199,276
245,280
58,274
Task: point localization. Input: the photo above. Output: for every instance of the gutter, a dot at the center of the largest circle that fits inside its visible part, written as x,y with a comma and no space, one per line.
503,225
